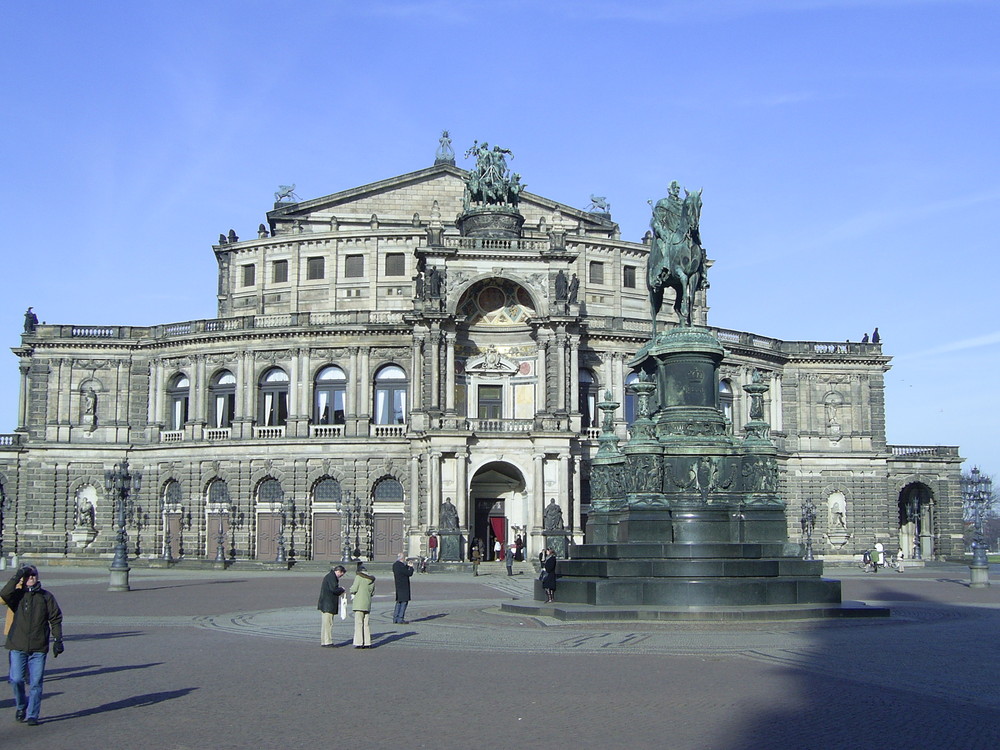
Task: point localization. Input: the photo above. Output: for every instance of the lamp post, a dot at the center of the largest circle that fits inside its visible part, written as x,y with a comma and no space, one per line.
281,555
808,521
119,484
977,496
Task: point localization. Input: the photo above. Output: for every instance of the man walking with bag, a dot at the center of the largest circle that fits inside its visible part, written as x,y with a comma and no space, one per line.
37,617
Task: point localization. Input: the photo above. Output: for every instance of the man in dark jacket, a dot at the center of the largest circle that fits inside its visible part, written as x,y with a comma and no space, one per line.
36,617
401,571
329,604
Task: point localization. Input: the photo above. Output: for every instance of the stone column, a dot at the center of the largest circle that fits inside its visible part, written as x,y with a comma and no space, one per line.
538,490
462,486
562,492
417,374
22,403
574,374
577,522
434,469
561,369
415,492
449,389
542,390
435,398
364,384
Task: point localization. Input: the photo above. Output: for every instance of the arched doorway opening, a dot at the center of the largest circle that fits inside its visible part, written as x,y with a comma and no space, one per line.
916,521
497,504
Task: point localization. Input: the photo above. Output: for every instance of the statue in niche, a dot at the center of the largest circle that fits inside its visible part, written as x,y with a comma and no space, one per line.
574,289
837,514
562,286
90,403
449,515
553,517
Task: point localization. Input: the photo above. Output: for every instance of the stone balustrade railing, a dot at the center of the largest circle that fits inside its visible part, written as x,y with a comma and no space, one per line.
949,451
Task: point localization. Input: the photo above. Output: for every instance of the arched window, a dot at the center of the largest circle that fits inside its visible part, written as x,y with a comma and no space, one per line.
218,493
178,393
327,490
388,490
390,395
272,402
269,492
222,399
330,396
726,401
589,396
172,494
630,400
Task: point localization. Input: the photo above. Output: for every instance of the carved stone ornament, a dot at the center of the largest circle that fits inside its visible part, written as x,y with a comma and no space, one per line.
492,362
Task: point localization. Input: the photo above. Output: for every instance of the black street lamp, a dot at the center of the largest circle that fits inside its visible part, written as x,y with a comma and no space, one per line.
808,521
978,494
119,484
281,556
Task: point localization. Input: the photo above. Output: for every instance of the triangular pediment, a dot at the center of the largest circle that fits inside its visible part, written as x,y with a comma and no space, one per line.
432,193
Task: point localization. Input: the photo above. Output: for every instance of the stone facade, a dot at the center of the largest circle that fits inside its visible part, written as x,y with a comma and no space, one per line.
368,362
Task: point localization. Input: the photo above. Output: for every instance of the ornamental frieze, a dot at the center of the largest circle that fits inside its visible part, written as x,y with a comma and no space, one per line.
644,472
390,353
274,356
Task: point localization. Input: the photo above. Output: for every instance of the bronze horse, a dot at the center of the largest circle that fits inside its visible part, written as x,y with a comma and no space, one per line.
676,258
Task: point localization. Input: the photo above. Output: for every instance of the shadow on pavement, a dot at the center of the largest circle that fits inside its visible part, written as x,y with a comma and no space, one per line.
384,639
72,672
102,636
186,585
430,617
137,701
907,678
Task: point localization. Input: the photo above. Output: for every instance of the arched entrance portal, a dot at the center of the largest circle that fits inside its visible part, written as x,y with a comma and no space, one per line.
496,502
916,521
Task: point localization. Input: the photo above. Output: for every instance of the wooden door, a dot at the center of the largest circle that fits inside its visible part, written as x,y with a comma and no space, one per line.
388,535
327,542
268,527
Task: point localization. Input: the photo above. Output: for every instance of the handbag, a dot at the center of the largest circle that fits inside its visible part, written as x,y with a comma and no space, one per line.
342,607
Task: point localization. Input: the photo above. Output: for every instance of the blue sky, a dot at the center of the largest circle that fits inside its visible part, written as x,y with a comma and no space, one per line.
847,150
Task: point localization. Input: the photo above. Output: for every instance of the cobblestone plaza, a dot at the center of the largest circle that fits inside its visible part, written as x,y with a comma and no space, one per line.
199,658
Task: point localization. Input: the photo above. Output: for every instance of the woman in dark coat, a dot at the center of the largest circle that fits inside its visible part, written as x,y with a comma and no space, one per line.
549,575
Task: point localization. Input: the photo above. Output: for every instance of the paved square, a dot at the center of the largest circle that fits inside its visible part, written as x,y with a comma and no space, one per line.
231,659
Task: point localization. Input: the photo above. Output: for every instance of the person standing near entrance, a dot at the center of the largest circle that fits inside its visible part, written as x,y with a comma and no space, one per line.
330,603
37,618
362,591
476,557
510,560
432,547
401,571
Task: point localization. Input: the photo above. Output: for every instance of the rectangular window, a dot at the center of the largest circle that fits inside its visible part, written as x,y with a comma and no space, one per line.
279,271
249,274
354,266
628,277
596,272
490,402
395,264
315,268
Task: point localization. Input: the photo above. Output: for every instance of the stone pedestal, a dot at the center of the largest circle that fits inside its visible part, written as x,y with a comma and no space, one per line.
450,549
119,579
557,540
979,576
686,520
